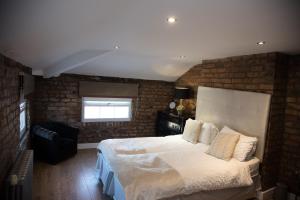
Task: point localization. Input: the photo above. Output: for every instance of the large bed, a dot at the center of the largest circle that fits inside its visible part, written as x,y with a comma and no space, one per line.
172,168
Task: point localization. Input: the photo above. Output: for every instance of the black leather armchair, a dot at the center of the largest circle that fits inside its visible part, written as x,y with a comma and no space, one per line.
54,141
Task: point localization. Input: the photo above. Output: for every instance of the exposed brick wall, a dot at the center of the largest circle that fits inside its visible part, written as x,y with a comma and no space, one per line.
9,114
58,99
264,73
290,159
273,149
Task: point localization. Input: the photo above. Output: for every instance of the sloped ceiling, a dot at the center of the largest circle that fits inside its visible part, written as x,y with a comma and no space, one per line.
45,33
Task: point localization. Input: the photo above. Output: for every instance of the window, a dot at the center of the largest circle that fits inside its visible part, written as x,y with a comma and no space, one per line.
106,109
22,119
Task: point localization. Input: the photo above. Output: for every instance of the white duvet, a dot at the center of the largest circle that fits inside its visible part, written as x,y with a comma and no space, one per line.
156,168
143,145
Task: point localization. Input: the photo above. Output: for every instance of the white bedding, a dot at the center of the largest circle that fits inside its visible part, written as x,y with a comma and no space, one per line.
143,145
154,168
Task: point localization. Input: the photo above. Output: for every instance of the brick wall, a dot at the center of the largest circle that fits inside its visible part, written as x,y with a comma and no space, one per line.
58,99
264,73
290,159
9,114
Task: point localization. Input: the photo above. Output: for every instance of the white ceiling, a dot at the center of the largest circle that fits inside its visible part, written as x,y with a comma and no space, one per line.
42,33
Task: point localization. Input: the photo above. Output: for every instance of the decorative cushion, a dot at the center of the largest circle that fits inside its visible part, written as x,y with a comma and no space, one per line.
192,130
208,133
245,148
223,145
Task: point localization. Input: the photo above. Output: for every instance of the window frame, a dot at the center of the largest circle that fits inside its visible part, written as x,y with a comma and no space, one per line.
105,119
23,108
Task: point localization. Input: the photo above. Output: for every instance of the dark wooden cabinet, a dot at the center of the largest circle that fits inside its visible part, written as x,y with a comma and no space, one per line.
169,124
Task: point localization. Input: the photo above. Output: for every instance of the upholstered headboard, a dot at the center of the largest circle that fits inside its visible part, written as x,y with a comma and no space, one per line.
246,112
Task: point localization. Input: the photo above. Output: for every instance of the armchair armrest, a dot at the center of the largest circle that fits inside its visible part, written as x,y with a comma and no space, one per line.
44,134
54,141
46,144
63,130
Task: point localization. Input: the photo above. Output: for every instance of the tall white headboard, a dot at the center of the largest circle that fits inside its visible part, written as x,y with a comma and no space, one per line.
246,112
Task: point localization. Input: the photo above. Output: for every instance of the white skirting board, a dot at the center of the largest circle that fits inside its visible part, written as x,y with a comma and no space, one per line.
87,145
292,196
266,195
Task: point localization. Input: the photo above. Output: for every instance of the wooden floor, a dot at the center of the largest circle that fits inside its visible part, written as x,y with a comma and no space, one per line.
73,179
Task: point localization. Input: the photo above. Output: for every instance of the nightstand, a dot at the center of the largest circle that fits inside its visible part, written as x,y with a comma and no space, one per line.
169,124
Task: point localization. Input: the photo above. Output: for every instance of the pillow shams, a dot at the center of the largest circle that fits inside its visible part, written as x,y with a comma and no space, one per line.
245,147
223,145
192,130
208,133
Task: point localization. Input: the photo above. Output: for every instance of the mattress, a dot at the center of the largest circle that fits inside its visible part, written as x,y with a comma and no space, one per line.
171,145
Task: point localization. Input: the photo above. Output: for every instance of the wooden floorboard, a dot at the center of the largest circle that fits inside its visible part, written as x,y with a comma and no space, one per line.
72,179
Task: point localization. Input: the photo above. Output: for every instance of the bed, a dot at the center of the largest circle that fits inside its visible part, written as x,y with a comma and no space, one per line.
172,168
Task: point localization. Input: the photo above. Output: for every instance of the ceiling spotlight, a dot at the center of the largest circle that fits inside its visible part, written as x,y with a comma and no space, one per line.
261,43
171,20
181,57
117,47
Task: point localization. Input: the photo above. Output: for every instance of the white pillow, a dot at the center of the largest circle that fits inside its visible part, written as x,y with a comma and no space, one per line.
208,133
246,146
223,145
192,130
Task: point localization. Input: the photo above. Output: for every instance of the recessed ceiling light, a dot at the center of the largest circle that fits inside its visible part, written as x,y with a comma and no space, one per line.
117,47
261,43
171,20
181,57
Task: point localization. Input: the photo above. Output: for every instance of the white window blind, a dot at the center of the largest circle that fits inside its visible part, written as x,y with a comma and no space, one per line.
108,90
106,109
